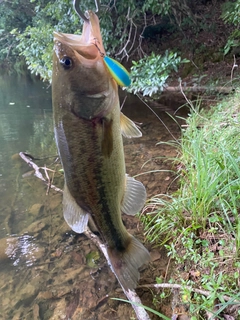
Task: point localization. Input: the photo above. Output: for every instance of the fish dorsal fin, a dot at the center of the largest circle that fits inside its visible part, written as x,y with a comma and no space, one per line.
134,197
75,216
129,128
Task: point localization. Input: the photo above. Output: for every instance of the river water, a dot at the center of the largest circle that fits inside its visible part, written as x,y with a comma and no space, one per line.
46,270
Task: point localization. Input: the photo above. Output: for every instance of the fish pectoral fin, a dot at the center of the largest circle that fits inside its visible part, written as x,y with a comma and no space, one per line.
74,215
134,197
129,128
125,264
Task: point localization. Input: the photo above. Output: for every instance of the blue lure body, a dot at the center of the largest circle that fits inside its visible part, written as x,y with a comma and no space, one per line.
118,72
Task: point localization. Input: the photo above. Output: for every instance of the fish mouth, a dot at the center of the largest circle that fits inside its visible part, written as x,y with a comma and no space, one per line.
89,44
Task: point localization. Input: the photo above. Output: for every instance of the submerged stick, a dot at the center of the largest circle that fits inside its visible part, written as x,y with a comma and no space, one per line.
130,294
37,173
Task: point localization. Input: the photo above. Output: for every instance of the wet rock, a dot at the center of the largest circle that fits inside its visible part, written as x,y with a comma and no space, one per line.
83,314
78,258
28,174
17,316
36,209
61,292
27,293
18,162
38,253
70,274
44,295
5,302
3,247
56,201
59,311
36,226
16,157
57,253
7,248
72,304
125,311
36,315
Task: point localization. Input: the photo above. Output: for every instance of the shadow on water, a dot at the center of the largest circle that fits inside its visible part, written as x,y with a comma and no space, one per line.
46,270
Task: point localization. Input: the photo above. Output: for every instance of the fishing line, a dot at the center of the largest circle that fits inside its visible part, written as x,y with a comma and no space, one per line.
125,98
157,117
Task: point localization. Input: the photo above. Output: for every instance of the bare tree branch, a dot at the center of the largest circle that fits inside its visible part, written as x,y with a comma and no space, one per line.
179,286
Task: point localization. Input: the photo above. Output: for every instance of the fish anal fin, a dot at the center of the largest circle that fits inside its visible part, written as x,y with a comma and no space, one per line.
74,215
125,264
129,128
134,197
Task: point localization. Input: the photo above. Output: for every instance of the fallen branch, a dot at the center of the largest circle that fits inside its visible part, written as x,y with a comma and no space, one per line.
197,89
130,294
37,173
178,286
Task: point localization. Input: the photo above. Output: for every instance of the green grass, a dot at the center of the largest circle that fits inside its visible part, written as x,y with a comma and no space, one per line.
200,223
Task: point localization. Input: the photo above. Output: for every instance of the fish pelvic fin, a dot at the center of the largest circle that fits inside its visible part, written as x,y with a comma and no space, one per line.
129,128
134,197
125,264
74,215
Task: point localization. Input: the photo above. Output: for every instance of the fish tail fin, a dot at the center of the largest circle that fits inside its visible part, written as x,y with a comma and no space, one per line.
125,264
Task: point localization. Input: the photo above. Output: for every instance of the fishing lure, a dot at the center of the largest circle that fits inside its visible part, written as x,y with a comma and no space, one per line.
116,69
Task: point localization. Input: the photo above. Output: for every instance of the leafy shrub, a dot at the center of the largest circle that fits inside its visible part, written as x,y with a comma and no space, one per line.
231,15
149,75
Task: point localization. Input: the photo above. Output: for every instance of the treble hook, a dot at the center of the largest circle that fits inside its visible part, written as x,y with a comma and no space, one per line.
80,13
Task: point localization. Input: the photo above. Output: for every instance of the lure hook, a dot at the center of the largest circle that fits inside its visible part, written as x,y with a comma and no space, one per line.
76,7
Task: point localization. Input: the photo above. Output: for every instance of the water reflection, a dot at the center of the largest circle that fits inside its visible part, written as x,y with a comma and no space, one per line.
25,124
23,104
20,250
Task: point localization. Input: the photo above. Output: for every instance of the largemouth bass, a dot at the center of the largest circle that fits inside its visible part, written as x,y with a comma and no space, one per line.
88,130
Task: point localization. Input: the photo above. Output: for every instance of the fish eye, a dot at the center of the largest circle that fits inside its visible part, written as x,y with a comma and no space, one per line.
66,62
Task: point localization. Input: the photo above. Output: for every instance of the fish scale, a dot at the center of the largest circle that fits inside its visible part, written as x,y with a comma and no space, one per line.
102,177
88,130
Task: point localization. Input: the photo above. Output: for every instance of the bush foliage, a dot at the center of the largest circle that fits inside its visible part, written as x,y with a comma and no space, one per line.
26,33
27,28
